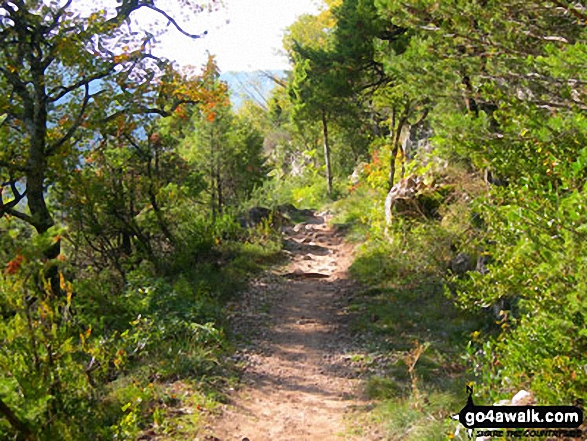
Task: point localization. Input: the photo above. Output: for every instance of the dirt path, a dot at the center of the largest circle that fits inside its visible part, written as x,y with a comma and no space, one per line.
299,379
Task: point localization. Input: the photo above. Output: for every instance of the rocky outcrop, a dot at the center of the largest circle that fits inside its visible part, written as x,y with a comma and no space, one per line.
464,263
254,217
412,197
279,216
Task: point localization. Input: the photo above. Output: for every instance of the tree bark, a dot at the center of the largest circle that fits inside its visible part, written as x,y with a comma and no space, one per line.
396,142
212,173
219,190
153,199
326,152
16,422
36,122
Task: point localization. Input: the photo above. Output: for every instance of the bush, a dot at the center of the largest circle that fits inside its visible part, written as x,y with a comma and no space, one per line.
537,272
407,252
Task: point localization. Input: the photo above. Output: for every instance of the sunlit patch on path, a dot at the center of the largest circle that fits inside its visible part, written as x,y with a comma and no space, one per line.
298,380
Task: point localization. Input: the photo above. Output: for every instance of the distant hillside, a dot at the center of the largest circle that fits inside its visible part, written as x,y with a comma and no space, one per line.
255,86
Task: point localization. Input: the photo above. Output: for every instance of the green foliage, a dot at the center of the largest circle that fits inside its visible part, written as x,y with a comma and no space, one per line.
359,210
404,253
314,195
537,265
430,423
506,103
84,366
45,356
418,377
116,264
308,191
226,151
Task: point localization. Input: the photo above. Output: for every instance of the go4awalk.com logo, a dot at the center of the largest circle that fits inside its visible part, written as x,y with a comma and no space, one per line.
552,420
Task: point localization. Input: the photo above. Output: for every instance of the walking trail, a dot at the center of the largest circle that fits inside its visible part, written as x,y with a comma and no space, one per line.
299,380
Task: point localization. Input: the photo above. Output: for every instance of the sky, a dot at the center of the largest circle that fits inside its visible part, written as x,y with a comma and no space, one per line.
244,35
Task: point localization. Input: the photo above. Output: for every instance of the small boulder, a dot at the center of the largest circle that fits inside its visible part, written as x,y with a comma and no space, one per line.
257,215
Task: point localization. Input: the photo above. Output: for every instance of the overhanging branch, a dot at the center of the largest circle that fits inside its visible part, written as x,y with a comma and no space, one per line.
19,215
577,13
8,208
85,81
129,6
58,16
17,196
19,425
144,110
173,22
78,121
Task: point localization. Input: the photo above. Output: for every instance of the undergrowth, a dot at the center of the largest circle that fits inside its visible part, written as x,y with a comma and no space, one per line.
141,358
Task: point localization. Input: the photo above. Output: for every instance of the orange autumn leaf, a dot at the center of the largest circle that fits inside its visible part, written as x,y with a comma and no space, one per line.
15,264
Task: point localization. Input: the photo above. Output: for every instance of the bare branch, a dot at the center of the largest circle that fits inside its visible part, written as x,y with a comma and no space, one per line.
58,16
142,153
422,117
16,194
547,38
8,208
19,215
578,14
129,6
173,22
274,78
144,110
136,61
78,121
85,81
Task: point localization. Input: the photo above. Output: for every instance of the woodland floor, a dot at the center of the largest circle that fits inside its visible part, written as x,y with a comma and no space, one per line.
300,376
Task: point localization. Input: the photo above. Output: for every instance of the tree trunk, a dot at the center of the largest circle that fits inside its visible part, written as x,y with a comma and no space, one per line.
212,176
42,220
396,143
469,96
19,425
153,199
219,190
393,136
326,152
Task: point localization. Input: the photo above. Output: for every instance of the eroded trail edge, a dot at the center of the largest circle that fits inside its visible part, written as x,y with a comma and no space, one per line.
299,378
